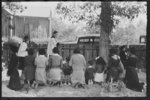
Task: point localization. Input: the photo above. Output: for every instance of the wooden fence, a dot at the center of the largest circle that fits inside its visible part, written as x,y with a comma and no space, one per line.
89,51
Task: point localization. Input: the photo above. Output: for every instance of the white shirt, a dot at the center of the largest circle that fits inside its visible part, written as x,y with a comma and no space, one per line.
22,50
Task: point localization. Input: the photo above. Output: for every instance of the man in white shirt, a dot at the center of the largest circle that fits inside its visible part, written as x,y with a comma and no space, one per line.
22,53
52,43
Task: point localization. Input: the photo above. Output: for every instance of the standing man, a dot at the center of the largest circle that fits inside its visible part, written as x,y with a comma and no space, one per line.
22,53
52,43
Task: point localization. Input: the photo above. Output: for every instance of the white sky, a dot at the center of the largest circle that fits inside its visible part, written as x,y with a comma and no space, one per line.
44,4
39,9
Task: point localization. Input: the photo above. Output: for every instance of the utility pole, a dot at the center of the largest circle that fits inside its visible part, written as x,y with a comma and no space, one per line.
11,24
50,24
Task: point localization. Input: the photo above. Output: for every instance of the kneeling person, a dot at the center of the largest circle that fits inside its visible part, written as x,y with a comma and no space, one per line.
89,73
100,68
67,70
54,72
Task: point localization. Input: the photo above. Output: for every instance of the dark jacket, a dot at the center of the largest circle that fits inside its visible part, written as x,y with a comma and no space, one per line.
131,78
14,82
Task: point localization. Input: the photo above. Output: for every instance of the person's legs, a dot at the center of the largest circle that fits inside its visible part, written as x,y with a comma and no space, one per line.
86,80
108,77
21,63
69,80
21,69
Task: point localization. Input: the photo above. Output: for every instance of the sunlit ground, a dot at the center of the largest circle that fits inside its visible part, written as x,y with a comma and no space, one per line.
68,91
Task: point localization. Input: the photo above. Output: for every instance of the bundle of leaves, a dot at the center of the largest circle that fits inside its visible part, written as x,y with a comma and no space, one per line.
12,41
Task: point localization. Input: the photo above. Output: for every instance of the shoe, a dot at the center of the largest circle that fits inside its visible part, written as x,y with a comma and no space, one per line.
76,85
81,86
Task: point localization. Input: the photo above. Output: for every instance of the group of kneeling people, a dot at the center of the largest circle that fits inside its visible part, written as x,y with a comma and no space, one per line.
40,70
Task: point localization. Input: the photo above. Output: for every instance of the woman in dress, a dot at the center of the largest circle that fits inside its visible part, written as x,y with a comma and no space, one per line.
115,67
131,78
55,65
14,82
29,69
41,62
52,43
78,64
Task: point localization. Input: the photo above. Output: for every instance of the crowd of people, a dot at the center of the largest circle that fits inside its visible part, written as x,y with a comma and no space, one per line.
48,68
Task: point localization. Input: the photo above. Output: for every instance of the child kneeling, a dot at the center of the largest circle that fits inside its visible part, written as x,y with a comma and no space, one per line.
67,70
100,68
89,73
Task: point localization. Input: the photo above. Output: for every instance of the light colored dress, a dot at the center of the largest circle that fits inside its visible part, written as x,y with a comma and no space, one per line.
51,44
55,63
78,64
99,77
40,74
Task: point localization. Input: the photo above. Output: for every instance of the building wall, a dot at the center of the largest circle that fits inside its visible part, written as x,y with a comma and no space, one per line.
35,27
5,23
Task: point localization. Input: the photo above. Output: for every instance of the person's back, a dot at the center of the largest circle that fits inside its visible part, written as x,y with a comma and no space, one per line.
40,61
55,64
115,68
56,60
29,69
66,68
29,61
78,64
131,78
89,75
91,72
14,82
99,67
78,60
132,61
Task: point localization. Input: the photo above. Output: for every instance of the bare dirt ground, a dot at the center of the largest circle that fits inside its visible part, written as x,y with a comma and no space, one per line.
68,91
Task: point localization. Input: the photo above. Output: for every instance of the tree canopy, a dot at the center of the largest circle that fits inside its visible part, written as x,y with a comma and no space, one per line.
13,7
104,15
90,11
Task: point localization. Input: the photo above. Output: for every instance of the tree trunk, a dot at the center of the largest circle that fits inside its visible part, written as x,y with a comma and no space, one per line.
106,24
104,44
